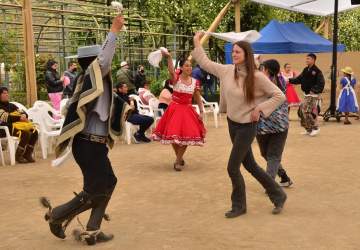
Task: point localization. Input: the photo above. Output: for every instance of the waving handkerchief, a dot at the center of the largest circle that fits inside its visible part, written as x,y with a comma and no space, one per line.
155,57
233,37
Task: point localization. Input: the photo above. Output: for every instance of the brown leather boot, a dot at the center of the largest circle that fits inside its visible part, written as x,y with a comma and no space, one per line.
28,155
19,155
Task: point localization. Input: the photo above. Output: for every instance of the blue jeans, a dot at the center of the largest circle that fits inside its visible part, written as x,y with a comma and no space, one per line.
143,121
208,88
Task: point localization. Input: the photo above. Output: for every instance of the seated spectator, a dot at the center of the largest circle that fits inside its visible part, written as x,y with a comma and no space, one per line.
17,122
166,95
145,93
135,118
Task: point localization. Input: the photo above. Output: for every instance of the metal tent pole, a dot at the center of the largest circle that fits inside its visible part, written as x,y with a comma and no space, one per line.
331,112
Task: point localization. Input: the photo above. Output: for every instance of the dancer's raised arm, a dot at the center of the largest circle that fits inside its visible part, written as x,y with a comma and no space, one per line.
170,64
202,59
108,48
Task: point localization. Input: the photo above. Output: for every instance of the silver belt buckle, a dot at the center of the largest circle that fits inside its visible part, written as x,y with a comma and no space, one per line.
98,139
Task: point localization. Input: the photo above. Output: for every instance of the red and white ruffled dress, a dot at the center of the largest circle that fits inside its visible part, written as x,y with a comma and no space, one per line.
291,95
180,123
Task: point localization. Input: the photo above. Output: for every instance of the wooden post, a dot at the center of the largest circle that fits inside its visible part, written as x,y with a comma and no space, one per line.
237,16
214,24
29,53
327,27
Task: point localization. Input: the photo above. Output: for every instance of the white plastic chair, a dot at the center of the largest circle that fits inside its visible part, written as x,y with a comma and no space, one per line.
142,108
46,136
20,106
12,143
2,156
154,107
197,109
44,108
129,130
211,107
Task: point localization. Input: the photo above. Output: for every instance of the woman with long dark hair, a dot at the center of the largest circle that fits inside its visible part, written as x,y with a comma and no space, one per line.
54,84
272,131
245,94
180,125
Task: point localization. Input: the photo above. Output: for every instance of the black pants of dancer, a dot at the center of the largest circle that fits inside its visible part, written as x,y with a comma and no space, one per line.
99,178
271,148
242,136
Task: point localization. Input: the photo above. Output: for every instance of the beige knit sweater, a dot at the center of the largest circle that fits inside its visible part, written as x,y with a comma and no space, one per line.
232,99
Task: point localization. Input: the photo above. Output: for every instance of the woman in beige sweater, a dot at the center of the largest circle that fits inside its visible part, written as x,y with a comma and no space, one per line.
245,94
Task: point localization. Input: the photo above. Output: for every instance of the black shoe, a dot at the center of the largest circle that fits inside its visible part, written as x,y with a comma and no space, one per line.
286,183
235,212
102,237
92,237
279,205
137,137
28,155
57,230
61,216
143,138
19,155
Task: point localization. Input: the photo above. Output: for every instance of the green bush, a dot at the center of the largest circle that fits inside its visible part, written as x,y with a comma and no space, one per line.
20,96
156,87
40,65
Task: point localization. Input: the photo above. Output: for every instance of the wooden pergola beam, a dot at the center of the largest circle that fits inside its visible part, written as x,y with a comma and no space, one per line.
29,53
237,15
216,22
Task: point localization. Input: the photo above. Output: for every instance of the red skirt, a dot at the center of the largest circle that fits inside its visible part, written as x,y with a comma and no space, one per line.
291,95
180,125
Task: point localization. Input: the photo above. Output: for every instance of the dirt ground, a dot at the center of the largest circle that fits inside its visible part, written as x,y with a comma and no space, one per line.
154,207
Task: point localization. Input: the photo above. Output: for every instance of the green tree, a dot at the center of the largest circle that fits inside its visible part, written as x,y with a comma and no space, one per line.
7,49
349,30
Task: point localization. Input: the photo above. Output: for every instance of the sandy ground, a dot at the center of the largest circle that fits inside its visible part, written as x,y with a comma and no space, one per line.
154,207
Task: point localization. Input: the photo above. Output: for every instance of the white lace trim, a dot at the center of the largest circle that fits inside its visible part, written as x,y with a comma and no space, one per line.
183,88
178,141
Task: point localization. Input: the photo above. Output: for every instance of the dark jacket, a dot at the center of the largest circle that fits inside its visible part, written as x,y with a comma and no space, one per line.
6,118
85,95
140,80
311,79
126,99
69,89
53,82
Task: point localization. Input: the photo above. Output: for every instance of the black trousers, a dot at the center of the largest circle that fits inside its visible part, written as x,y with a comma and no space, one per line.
95,166
242,136
271,148
99,177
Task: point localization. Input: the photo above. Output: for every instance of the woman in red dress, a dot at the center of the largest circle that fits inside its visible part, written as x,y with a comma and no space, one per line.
291,95
180,125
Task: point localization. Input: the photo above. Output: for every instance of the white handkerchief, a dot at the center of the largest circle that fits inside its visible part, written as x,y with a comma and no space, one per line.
233,37
62,159
155,57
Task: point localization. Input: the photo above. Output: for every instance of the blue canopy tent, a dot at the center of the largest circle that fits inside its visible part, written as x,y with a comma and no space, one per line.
287,38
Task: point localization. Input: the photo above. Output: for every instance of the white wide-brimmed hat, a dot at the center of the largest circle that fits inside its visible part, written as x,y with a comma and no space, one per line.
86,51
123,64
